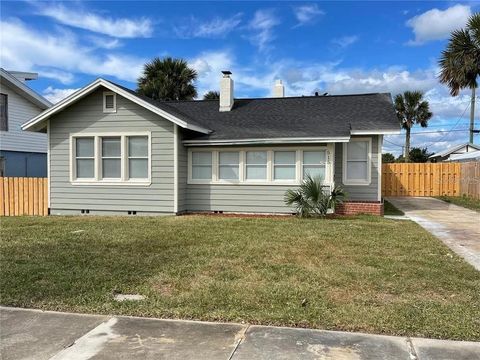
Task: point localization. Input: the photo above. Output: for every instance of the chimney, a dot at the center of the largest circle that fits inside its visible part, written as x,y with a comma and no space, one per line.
278,89
226,91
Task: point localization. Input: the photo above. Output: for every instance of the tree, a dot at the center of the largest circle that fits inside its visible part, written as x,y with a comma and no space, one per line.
419,155
211,95
460,62
411,109
167,79
388,158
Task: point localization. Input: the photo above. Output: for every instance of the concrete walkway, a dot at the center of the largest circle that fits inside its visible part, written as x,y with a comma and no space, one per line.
34,334
456,226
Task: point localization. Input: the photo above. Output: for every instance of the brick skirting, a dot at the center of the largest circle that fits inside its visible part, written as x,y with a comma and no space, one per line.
360,207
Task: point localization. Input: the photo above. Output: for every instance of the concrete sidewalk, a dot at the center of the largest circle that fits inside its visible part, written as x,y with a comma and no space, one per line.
456,226
34,334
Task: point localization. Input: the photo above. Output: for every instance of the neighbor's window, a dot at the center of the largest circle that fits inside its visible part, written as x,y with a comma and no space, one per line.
356,165
3,112
256,165
314,164
85,157
228,165
111,157
284,165
202,165
137,157
109,102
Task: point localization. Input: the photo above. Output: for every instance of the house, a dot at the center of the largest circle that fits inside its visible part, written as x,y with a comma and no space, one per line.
466,157
447,154
22,154
112,151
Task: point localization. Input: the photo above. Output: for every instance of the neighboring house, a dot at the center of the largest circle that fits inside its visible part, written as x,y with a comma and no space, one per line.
446,155
22,154
466,157
112,151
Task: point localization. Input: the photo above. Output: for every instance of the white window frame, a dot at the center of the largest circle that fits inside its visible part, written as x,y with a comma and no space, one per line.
268,166
329,170
105,94
325,163
110,157
368,181
98,180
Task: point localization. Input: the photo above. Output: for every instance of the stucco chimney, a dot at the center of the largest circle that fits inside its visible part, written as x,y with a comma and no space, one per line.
226,91
278,89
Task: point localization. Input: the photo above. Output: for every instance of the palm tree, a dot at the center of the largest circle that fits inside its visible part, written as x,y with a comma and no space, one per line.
211,95
460,62
167,79
411,109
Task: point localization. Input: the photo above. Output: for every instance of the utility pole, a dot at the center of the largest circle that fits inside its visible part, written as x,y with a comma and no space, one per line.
472,115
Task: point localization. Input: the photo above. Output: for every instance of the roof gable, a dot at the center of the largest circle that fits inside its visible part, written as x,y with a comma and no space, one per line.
454,149
24,90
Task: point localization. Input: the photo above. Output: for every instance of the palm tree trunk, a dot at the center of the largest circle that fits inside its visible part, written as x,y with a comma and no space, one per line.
407,145
472,115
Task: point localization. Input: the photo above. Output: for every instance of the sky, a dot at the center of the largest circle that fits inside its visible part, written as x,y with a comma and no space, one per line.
335,47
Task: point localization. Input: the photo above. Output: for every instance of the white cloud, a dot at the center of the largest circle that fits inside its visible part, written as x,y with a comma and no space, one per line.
437,24
345,41
105,42
217,27
62,76
306,14
55,95
26,48
208,66
121,28
262,26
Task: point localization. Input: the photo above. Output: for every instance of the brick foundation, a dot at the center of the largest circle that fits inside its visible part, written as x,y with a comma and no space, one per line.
360,207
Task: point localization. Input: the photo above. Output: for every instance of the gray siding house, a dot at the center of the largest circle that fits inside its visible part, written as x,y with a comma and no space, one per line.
112,151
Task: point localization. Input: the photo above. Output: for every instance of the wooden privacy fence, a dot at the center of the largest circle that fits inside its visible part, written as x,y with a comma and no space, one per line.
23,196
470,179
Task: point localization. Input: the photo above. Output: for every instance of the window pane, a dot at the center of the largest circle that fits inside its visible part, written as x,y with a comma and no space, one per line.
229,158
202,172
138,146
256,157
284,172
111,147
357,150
256,172
202,158
85,168
284,157
84,147
228,172
111,168
138,168
314,171
313,157
357,170
4,112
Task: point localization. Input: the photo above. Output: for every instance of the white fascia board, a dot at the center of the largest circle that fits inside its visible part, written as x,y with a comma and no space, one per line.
280,141
31,125
375,132
32,96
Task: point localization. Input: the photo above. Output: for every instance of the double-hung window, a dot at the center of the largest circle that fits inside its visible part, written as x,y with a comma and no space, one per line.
137,157
256,166
111,158
284,165
85,157
229,165
202,165
356,162
314,164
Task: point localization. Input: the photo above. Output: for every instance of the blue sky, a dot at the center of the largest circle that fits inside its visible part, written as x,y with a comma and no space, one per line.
335,47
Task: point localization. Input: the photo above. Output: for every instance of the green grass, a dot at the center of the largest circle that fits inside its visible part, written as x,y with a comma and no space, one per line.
358,274
465,201
389,209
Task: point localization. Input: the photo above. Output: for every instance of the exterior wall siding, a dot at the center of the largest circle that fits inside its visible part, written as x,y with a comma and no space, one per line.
87,116
182,173
24,164
20,110
359,192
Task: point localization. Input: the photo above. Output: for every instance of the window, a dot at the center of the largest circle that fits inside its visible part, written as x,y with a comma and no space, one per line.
356,162
111,158
284,165
137,157
3,112
109,102
202,165
256,165
85,157
229,164
314,164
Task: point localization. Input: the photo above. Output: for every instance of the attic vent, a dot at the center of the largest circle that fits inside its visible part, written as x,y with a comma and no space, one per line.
109,102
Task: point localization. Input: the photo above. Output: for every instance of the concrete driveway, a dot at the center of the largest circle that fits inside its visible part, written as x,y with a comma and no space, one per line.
456,226
33,334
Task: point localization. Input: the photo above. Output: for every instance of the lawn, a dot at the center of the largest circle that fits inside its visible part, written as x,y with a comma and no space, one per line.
467,202
357,274
389,209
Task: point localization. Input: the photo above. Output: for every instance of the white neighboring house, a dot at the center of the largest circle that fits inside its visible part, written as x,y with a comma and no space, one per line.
451,152
466,157
22,153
